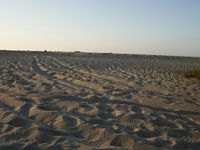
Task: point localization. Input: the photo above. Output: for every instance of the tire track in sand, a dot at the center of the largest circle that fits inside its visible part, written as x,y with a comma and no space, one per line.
36,68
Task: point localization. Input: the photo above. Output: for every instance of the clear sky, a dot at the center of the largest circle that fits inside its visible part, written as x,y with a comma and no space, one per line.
169,27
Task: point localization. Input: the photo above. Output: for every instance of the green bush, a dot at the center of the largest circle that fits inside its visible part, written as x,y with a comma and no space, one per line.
195,73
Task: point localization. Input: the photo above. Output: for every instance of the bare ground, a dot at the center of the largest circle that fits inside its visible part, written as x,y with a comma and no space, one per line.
97,101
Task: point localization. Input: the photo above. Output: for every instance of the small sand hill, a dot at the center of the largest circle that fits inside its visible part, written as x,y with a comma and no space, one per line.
61,101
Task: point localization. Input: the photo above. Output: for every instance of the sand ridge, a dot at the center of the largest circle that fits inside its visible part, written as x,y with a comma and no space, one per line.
97,101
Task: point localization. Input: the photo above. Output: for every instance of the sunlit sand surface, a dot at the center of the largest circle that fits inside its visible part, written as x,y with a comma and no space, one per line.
59,101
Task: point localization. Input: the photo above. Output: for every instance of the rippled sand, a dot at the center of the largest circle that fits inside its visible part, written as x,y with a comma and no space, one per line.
97,101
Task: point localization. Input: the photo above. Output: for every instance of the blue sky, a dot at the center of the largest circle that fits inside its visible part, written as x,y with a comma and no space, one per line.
168,27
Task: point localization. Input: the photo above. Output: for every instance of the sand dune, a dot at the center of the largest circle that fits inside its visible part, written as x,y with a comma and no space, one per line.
97,101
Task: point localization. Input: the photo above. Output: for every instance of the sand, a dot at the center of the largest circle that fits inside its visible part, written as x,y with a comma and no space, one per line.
59,101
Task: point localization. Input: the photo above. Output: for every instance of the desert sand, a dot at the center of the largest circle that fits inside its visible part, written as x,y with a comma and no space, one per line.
60,101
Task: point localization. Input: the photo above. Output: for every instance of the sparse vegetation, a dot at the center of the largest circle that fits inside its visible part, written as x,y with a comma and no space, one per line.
194,73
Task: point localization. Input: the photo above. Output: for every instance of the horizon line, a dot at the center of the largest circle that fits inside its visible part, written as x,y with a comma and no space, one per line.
81,51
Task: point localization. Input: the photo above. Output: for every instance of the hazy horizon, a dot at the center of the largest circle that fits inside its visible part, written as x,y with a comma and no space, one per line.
156,27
